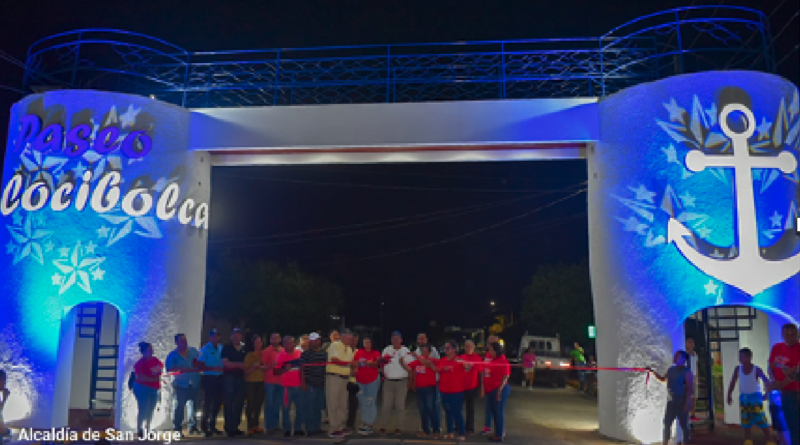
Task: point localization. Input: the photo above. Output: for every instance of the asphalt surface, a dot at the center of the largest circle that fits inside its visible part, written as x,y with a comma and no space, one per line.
544,416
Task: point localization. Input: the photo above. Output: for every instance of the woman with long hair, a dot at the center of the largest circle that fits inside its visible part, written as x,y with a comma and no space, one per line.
145,388
254,384
452,378
496,389
367,361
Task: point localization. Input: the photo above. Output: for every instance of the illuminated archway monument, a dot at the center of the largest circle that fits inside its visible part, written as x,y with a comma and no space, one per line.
693,198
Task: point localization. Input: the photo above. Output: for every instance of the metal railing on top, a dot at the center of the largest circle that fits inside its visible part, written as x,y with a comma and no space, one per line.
648,48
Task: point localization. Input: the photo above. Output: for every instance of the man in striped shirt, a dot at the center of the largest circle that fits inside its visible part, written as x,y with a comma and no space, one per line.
313,396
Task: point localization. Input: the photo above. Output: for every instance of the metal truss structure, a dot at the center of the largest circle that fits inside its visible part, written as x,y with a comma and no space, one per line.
683,40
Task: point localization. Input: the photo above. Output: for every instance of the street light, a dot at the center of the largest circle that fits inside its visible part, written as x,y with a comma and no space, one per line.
492,302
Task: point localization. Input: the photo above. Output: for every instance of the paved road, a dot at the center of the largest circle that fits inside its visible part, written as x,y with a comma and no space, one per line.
543,416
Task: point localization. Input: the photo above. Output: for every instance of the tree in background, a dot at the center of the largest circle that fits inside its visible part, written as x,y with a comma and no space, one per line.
559,301
265,296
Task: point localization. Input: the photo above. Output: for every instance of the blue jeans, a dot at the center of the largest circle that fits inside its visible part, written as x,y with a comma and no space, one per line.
487,415
292,394
234,402
581,374
146,400
311,404
452,409
785,413
426,401
368,401
497,408
185,398
272,405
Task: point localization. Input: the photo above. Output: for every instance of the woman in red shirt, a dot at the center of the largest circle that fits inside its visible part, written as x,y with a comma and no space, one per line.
472,383
368,383
423,375
452,377
145,388
495,388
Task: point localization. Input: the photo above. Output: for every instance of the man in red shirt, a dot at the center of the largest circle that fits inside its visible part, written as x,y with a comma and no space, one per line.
423,381
784,360
472,383
272,384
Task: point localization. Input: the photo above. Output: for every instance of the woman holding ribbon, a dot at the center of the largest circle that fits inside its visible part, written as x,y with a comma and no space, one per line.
496,389
452,379
145,388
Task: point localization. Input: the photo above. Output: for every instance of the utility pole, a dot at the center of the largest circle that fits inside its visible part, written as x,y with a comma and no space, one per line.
381,343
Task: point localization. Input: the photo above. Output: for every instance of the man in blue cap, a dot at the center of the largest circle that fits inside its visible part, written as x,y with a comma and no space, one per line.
396,385
211,363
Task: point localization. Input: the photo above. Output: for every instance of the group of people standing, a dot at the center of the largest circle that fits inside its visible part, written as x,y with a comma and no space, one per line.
781,388
337,377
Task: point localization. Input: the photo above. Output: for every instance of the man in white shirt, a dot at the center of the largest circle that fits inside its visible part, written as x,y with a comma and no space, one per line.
422,339
395,386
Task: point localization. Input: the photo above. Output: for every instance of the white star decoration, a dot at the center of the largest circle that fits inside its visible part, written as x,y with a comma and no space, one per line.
675,112
687,199
128,118
147,223
79,170
102,232
672,154
711,288
776,219
763,129
642,194
633,225
76,270
28,238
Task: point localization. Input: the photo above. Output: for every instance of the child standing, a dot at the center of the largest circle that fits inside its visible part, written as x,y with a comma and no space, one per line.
751,399
680,386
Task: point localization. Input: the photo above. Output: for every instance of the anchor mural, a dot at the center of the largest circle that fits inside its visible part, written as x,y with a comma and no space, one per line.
749,271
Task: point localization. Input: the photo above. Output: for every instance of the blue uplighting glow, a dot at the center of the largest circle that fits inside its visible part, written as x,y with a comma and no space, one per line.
103,223
657,185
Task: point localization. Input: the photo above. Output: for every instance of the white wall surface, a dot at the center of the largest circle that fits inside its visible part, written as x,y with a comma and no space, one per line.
255,132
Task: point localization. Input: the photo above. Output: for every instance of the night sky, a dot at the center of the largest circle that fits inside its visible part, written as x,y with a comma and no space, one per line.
255,209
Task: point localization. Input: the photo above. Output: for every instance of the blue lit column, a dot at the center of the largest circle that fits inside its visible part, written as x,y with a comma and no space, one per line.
102,200
693,203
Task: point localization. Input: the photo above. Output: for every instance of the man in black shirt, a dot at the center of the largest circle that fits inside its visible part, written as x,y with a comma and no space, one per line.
313,375
233,380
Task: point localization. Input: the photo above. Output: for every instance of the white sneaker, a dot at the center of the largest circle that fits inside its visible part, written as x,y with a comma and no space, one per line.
530,388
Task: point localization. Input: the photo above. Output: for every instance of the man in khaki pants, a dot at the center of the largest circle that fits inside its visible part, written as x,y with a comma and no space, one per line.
336,378
396,384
